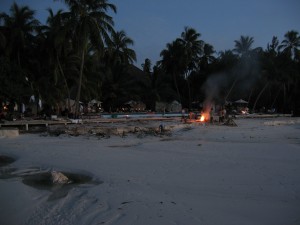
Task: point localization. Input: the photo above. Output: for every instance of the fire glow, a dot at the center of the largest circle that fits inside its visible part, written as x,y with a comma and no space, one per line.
202,118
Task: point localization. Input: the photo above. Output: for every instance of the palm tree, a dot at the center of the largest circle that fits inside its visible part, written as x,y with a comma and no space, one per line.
288,58
291,44
147,66
90,23
271,70
118,86
59,50
244,45
193,47
173,62
207,56
20,26
93,79
162,88
117,82
227,59
272,49
17,38
119,48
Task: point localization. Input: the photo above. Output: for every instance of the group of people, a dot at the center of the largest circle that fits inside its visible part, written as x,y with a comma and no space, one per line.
222,115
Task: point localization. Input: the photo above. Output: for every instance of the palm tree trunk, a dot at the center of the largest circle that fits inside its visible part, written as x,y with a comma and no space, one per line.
176,86
77,109
233,84
65,81
284,98
189,88
259,95
250,96
276,97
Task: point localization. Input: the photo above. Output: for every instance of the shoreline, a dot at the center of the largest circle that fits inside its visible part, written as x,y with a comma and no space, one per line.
126,118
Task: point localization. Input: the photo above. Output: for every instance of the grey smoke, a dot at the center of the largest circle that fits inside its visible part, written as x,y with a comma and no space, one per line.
241,79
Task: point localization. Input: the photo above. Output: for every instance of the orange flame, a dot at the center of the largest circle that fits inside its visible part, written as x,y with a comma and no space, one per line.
202,119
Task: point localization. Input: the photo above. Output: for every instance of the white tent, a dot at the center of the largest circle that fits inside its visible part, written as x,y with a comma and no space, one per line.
241,101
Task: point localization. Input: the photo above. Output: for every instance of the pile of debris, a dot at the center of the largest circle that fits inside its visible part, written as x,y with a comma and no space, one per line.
107,131
230,122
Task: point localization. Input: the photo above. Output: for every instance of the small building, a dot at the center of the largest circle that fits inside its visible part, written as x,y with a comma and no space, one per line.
174,106
134,106
95,106
241,106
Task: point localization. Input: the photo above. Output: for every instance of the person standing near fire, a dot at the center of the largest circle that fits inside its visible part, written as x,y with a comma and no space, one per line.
221,115
224,114
211,115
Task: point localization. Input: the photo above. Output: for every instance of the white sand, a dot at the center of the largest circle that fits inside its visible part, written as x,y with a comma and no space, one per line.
210,175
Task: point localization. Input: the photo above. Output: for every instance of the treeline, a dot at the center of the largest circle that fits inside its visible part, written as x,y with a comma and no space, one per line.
79,55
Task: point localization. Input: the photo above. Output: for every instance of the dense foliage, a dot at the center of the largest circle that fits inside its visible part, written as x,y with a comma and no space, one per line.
78,55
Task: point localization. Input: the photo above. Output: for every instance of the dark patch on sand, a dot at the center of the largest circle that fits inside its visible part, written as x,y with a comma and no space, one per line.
6,160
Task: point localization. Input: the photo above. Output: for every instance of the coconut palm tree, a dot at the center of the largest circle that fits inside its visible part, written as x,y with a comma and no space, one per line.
227,60
147,66
193,48
272,48
271,71
243,46
90,24
18,34
291,44
289,58
173,62
20,26
119,48
207,56
119,86
59,50
181,56
246,65
116,80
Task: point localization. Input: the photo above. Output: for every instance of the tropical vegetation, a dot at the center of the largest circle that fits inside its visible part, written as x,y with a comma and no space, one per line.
77,54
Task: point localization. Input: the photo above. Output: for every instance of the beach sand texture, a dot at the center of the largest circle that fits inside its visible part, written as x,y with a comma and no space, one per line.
197,175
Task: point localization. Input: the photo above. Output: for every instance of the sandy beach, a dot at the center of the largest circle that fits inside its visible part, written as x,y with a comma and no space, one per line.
193,175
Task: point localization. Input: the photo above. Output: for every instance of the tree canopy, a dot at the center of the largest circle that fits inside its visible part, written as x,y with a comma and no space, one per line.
79,55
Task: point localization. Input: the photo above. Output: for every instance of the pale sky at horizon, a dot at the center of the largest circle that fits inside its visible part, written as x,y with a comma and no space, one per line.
153,24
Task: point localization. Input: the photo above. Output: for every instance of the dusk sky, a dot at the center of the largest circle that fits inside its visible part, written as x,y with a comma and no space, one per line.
154,23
